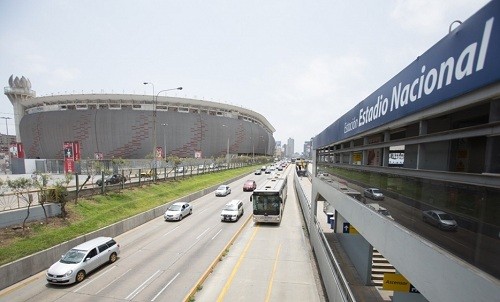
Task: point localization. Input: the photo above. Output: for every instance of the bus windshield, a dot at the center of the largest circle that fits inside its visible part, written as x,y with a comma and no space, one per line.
266,204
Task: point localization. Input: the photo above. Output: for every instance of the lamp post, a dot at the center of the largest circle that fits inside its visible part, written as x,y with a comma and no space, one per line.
227,152
154,118
155,101
164,139
6,126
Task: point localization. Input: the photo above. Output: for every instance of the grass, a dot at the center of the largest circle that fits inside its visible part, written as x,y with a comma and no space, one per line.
102,210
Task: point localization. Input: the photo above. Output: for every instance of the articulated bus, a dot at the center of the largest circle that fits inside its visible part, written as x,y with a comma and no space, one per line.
269,200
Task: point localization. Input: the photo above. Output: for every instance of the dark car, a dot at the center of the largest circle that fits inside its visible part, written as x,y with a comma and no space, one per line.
440,219
111,180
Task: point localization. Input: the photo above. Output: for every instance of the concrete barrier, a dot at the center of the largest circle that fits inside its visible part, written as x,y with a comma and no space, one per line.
28,266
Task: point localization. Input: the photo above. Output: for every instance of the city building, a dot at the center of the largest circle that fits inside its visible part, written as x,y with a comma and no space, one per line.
290,147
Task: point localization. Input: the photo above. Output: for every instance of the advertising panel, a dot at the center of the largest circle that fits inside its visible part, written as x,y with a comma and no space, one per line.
159,153
69,159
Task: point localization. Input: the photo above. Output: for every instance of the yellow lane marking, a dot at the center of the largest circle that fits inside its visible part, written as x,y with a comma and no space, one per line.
270,286
236,267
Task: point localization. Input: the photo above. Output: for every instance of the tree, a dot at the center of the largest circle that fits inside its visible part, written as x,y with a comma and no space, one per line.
21,187
40,181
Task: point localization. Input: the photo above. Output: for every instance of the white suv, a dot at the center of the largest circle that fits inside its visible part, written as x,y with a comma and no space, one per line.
232,211
78,262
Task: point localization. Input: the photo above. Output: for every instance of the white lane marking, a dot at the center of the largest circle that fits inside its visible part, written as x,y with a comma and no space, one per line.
217,234
140,287
113,281
165,287
202,233
201,211
94,279
171,231
196,241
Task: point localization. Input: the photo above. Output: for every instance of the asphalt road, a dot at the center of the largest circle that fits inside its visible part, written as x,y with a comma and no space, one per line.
267,263
159,261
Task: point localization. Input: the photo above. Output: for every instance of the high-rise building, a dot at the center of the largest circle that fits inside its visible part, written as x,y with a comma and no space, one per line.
307,149
290,147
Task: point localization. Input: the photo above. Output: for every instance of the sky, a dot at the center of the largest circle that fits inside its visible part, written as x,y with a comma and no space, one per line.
301,64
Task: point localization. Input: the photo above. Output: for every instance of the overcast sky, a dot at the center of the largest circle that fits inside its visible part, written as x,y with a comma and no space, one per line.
301,64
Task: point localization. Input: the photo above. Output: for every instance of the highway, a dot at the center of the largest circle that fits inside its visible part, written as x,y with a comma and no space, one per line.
159,260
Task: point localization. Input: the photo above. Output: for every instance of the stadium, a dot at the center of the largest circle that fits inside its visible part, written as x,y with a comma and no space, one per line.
129,126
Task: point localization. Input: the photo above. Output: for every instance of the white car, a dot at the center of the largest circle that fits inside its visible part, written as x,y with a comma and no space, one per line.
232,211
223,190
78,262
177,211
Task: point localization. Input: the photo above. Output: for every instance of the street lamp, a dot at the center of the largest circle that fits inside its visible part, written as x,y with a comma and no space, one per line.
227,152
6,127
155,101
164,139
154,118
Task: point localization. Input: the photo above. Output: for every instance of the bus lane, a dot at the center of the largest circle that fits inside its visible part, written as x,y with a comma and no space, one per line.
267,262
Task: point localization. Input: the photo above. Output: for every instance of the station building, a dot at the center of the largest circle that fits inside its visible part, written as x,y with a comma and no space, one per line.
429,139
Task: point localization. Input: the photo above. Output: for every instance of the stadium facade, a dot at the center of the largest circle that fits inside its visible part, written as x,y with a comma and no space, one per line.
121,125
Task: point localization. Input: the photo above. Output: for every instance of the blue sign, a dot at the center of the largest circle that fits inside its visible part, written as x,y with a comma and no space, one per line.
345,227
467,59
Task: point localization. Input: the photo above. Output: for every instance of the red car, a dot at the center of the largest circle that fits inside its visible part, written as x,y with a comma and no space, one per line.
249,185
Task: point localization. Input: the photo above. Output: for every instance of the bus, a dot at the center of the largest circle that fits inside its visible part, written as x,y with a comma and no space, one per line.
269,200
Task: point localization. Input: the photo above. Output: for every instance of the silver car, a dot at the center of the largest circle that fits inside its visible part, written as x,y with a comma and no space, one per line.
440,219
78,262
223,190
177,211
374,193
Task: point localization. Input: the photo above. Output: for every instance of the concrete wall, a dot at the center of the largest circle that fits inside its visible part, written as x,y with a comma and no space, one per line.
17,216
23,268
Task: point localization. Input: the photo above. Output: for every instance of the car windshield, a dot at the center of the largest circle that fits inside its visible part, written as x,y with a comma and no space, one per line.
175,207
73,256
230,207
221,188
376,191
445,216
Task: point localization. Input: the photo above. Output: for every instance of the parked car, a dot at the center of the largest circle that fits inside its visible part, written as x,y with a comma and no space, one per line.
440,219
249,185
374,193
78,262
147,174
223,190
111,180
258,172
232,211
177,211
181,169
